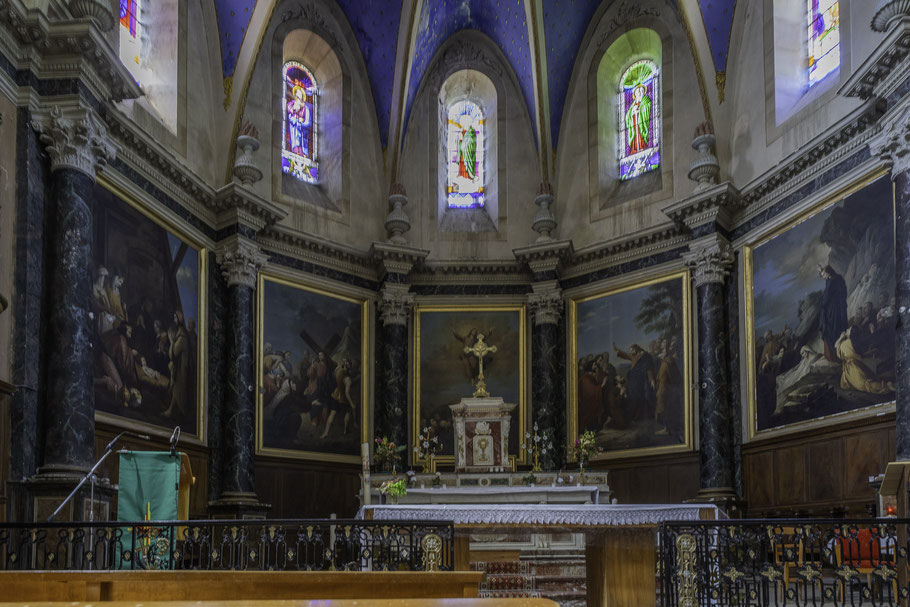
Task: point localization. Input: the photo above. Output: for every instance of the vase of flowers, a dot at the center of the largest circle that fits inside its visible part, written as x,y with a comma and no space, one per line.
387,454
393,490
585,447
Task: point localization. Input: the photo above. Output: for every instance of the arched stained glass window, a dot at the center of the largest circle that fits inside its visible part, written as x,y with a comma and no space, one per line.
299,148
130,35
824,38
639,120
465,155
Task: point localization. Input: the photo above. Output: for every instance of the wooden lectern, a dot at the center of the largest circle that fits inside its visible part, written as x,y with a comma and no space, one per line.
893,491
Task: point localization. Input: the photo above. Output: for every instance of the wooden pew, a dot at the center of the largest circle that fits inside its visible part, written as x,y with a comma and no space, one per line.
144,586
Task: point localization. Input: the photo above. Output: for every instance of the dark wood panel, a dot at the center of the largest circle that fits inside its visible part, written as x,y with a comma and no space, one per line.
758,479
5,391
304,489
825,470
656,480
790,464
866,454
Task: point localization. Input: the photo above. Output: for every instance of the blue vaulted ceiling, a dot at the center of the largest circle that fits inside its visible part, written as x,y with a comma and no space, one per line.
375,24
502,20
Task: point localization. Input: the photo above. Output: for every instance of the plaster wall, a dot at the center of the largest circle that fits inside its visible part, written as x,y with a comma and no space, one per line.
7,224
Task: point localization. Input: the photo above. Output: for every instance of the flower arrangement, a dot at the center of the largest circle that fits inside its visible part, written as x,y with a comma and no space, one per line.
537,445
585,448
387,454
427,447
394,489
529,479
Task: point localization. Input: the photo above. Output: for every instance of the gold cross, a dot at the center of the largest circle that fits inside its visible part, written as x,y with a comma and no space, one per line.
480,349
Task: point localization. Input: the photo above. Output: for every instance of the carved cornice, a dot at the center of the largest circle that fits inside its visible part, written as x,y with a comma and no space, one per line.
55,40
235,203
395,304
74,138
545,303
644,243
396,259
545,257
873,76
893,143
470,271
317,250
240,261
887,12
716,205
711,259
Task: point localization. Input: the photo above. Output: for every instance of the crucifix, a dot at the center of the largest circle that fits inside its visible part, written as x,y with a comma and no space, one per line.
480,349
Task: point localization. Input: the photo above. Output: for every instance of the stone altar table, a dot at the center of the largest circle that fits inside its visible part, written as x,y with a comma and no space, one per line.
620,540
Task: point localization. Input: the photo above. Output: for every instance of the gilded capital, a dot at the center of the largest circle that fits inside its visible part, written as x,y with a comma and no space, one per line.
395,303
75,138
710,259
546,306
893,143
240,262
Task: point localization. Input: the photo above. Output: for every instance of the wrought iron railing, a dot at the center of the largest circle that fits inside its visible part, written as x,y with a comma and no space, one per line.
298,545
784,562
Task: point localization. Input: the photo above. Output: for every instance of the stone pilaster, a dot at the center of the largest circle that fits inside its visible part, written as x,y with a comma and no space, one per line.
240,261
395,305
711,259
893,146
78,144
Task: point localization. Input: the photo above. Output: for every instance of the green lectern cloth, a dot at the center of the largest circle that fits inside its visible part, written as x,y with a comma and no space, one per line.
149,483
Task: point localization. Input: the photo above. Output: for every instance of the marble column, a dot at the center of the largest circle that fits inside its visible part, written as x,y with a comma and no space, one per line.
893,146
546,306
395,304
77,144
711,259
240,261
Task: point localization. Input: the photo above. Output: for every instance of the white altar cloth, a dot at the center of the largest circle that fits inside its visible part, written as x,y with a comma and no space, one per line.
545,515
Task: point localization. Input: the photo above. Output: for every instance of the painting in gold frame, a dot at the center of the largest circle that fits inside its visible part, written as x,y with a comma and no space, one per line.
312,369
819,313
444,374
149,318
630,366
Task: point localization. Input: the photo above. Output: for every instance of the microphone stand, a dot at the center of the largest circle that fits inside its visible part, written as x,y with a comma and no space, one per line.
90,475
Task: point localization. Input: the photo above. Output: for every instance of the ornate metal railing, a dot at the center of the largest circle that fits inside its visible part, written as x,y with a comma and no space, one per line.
784,562
298,545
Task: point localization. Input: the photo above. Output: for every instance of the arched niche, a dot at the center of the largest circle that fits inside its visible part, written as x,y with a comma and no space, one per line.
628,48
330,190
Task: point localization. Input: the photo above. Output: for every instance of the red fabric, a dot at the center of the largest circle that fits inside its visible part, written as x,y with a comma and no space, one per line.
863,551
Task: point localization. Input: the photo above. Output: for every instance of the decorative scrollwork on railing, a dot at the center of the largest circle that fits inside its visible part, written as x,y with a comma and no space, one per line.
772,563
299,545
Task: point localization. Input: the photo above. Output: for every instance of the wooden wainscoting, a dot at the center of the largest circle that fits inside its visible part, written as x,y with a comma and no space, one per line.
6,391
819,473
666,479
307,489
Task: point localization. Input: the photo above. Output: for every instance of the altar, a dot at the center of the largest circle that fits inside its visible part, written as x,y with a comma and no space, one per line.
620,539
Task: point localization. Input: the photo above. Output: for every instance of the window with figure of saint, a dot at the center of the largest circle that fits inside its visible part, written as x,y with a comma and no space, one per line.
824,38
465,153
130,36
639,120
298,152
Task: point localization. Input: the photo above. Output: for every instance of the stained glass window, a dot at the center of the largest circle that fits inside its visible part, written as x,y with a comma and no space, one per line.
298,152
824,38
465,183
639,120
130,39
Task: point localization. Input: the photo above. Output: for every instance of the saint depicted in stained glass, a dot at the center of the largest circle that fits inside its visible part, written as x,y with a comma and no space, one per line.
129,11
824,38
130,40
298,155
465,155
639,119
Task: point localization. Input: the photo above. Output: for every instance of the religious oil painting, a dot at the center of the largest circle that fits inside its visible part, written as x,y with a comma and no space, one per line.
313,399
630,365
465,147
820,312
639,120
298,154
148,319
445,372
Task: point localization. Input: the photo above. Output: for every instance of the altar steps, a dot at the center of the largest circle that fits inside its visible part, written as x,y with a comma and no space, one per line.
559,579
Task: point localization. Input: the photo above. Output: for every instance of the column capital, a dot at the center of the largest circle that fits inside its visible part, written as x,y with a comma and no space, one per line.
711,259
892,144
240,261
395,303
75,138
546,303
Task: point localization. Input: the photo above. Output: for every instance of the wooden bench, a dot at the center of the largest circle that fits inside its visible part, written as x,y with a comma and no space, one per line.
144,586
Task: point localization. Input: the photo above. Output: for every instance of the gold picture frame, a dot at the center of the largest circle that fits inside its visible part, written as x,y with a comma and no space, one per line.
363,304
421,313
108,182
684,431
753,432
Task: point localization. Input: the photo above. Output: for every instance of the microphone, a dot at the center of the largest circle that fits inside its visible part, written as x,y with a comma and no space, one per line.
110,445
175,437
